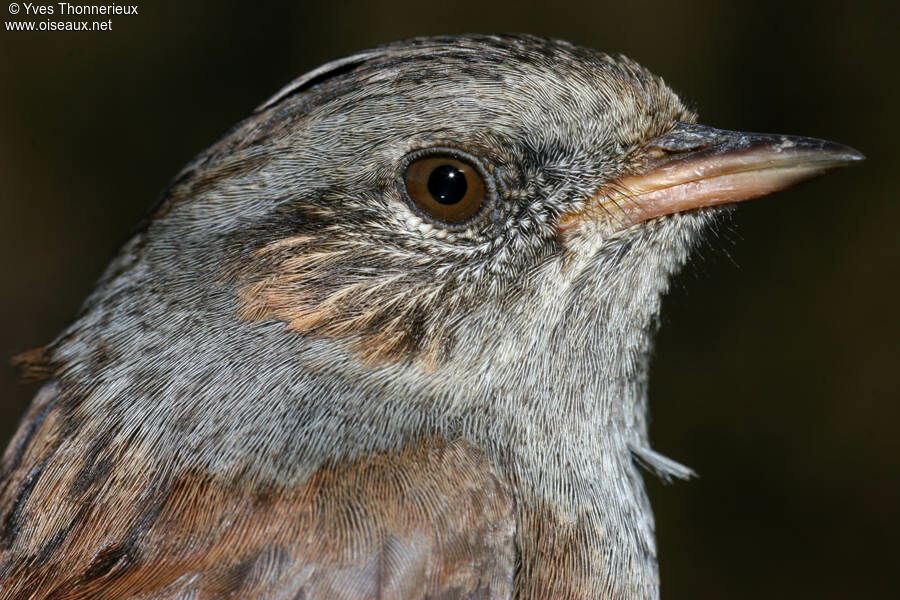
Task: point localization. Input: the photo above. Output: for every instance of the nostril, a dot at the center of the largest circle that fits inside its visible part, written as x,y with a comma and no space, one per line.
686,137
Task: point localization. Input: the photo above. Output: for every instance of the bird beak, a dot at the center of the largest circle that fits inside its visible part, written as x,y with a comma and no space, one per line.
695,166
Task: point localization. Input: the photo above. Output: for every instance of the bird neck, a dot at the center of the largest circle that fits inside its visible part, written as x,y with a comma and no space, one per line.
564,430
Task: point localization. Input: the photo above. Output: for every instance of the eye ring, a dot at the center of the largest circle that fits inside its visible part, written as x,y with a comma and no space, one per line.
446,186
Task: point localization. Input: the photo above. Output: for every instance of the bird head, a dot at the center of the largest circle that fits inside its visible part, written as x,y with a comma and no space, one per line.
438,204
472,224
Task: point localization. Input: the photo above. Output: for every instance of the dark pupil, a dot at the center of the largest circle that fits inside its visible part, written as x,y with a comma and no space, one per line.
447,184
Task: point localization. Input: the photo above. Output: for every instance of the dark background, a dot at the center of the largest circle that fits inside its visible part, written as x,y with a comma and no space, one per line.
775,374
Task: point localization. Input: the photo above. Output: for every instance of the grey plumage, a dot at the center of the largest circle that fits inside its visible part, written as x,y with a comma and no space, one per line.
286,307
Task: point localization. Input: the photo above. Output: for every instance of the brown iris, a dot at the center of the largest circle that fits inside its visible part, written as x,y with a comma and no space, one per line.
445,188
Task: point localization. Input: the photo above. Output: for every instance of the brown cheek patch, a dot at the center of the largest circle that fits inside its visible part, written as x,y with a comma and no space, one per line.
379,315
431,520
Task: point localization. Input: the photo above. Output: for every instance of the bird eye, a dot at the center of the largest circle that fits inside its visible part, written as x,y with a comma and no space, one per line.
445,188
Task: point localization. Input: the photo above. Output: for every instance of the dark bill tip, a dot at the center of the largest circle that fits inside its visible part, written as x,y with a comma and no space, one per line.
687,138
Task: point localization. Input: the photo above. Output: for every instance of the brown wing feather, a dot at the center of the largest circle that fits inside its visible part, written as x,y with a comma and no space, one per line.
430,521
